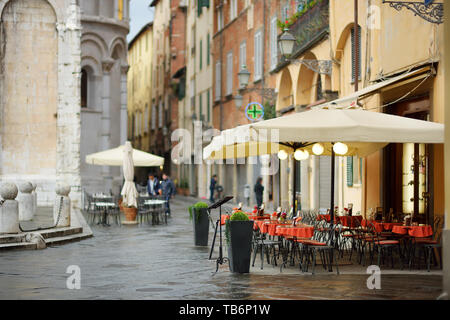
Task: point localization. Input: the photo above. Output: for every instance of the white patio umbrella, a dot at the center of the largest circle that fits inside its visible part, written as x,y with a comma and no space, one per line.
363,132
129,192
114,157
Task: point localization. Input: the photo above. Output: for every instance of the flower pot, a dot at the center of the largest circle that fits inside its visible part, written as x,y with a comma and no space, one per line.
201,226
120,205
240,246
130,213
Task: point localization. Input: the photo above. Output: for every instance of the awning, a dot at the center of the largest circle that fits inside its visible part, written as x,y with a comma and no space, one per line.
346,101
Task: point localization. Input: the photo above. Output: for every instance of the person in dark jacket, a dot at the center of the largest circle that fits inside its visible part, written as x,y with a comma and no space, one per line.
168,190
212,187
153,185
259,190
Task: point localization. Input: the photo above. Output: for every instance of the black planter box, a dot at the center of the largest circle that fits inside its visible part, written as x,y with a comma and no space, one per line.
201,226
240,246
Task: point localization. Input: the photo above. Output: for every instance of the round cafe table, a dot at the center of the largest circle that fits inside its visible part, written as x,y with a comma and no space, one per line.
381,226
414,231
350,221
298,232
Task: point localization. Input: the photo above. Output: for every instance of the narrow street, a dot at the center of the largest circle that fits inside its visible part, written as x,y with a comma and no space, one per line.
161,262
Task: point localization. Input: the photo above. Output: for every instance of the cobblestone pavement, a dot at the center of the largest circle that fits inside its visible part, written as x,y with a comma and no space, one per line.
161,262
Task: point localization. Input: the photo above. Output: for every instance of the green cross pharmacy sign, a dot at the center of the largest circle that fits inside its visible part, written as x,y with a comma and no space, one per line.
254,111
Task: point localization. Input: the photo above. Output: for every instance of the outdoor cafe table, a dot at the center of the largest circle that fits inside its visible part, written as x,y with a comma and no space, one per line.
105,206
269,227
414,231
381,226
296,231
350,221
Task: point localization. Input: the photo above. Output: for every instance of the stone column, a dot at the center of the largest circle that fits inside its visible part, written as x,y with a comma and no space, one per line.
26,202
106,114
61,210
123,103
34,194
9,209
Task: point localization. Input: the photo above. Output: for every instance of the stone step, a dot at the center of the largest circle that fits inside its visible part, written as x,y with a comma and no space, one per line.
60,232
65,239
17,246
10,238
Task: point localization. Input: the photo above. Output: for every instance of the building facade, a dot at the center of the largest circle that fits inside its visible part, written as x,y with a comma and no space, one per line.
40,95
140,79
105,25
383,34
245,34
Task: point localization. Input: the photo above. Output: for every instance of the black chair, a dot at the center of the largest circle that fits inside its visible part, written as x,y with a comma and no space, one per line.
263,245
382,246
325,249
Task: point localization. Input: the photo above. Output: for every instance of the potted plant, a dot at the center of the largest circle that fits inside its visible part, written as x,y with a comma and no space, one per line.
239,232
198,214
130,212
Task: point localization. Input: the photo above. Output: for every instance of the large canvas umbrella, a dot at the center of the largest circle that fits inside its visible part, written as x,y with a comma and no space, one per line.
129,192
114,157
363,132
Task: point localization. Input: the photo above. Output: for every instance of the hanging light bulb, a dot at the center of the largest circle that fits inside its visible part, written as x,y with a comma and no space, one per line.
300,155
317,149
340,148
282,155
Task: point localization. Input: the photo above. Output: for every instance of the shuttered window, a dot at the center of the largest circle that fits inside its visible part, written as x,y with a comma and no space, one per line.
349,171
242,54
229,73
218,80
273,43
201,55
208,104
258,56
354,55
208,49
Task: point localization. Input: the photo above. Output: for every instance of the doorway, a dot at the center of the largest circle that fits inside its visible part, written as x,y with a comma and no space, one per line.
407,170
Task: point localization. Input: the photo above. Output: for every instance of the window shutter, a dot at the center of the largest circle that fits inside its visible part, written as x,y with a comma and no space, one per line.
350,171
200,103
273,43
229,73
201,54
208,49
208,104
354,55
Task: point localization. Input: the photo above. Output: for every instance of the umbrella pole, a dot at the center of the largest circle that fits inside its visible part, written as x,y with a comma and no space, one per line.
332,187
294,188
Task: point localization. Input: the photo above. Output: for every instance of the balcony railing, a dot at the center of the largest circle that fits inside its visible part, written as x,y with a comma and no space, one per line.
309,28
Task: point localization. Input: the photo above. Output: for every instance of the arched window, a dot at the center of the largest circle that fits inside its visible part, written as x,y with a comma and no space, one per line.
84,88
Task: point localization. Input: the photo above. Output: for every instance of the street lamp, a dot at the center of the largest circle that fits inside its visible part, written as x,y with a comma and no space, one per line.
287,42
300,155
238,100
243,76
282,155
340,148
317,149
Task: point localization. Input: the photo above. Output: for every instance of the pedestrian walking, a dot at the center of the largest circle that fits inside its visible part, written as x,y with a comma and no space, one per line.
259,190
167,190
153,185
212,187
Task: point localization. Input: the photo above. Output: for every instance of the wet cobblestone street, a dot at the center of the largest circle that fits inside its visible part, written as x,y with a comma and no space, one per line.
161,262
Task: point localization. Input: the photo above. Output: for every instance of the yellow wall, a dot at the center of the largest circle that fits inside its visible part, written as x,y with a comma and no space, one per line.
140,88
391,42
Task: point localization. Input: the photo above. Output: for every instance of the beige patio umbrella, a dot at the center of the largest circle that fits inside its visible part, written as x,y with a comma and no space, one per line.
362,132
129,192
114,157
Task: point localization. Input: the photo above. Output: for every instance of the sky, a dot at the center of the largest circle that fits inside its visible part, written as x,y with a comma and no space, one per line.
140,15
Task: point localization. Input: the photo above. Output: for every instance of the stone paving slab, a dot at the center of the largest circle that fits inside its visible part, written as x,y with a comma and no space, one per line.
161,262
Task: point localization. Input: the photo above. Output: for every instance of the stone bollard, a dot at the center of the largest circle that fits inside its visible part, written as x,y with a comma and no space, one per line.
9,209
34,194
25,199
62,206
